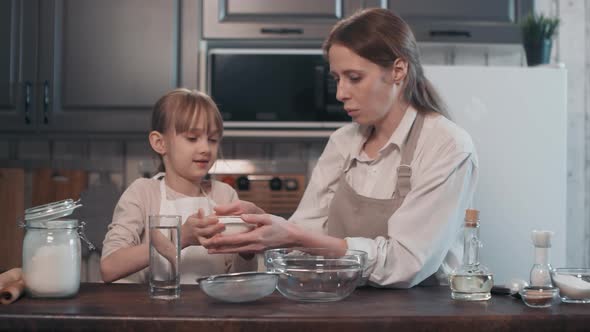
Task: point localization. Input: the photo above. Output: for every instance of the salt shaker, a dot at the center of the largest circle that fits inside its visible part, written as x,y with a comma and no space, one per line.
541,270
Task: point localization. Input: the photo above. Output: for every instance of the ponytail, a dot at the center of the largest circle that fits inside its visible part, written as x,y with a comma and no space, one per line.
425,97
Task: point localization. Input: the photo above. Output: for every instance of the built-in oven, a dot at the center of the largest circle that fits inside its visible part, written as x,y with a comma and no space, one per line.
273,88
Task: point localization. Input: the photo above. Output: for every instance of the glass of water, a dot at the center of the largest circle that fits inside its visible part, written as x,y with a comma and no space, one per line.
164,270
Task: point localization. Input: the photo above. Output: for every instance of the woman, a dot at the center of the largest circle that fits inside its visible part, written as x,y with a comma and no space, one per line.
395,182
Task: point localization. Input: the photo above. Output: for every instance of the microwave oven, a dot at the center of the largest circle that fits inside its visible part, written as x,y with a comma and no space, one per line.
273,88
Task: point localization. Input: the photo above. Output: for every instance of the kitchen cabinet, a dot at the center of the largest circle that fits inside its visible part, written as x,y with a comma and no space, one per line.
12,197
479,21
53,185
275,19
105,63
101,65
17,69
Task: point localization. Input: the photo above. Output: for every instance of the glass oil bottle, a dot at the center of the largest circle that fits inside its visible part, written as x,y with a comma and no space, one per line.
471,281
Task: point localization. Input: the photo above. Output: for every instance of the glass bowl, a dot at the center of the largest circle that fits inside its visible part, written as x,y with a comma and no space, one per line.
539,297
239,287
573,284
316,274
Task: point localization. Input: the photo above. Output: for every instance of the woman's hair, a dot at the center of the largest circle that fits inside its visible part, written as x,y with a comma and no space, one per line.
381,36
181,109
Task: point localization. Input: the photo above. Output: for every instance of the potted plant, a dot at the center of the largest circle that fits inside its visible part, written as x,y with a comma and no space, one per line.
537,34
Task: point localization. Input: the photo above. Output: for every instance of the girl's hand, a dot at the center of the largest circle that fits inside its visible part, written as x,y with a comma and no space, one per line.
198,228
272,232
164,246
238,207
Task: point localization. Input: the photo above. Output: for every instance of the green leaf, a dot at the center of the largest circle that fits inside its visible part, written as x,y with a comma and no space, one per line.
538,27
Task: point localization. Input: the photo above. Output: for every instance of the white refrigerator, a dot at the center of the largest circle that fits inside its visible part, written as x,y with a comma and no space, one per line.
517,119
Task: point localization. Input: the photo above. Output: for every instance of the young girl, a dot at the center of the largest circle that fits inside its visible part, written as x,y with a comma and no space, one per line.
186,133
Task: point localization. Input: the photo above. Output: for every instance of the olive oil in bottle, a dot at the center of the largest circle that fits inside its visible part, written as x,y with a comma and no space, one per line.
471,281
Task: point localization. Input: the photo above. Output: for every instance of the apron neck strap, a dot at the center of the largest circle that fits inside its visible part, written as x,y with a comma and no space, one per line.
404,171
162,190
412,140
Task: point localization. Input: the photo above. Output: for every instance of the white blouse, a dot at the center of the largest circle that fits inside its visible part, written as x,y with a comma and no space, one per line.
425,233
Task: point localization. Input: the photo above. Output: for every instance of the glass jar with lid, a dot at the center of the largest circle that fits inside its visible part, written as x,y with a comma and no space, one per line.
52,250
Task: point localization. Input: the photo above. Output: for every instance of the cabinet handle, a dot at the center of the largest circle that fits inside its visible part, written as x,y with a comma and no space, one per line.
281,31
450,33
27,101
45,102
318,92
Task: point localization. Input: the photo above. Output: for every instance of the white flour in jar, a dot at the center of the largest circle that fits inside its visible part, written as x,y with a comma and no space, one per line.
53,270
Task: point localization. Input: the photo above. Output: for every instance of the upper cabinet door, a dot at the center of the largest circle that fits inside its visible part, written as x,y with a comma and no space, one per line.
478,21
17,65
273,19
105,63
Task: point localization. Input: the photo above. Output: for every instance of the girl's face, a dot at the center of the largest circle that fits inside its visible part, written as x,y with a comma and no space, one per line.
191,154
367,90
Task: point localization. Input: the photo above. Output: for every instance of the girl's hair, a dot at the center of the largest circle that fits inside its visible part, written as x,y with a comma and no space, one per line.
381,36
181,109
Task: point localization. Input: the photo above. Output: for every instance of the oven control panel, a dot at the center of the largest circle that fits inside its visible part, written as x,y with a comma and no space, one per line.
275,193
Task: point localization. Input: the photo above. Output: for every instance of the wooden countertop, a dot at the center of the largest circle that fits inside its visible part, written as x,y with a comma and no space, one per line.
124,307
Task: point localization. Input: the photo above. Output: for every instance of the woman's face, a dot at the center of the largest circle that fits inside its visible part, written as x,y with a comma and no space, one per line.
367,90
192,153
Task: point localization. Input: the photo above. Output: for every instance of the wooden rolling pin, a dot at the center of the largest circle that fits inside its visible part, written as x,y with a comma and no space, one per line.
12,285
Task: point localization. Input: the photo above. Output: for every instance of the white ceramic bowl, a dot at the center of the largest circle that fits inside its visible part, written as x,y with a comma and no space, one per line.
234,225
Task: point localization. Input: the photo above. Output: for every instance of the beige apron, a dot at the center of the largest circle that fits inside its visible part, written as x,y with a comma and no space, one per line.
354,215
194,260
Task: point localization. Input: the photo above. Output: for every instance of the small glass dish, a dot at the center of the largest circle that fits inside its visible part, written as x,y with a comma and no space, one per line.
573,284
539,297
316,274
239,287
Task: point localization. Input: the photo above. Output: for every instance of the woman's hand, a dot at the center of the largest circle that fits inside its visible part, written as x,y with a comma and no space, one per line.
272,232
198,228
238,207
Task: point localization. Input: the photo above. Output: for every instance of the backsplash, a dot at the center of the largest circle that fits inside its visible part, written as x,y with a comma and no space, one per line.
127,160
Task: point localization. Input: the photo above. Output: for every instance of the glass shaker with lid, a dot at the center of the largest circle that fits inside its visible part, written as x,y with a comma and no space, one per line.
52,250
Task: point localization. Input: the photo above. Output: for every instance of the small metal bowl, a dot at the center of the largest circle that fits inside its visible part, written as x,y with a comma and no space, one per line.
239,287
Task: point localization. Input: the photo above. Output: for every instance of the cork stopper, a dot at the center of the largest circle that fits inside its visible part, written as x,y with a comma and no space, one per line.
471,217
